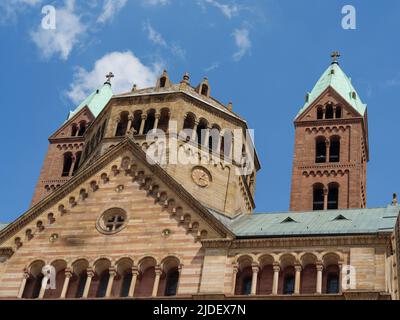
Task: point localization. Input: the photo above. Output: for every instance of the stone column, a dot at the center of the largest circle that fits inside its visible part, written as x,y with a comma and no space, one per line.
156,281
234,277
112,274
275,282
297,267
194,132
90,275
206,138
43,287
325,199
320,267
254,279
340,278
135,273
157,117
128,127
68,276
143,117
23,284
328,151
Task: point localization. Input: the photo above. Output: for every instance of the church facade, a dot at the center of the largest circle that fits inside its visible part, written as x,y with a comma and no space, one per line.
150,194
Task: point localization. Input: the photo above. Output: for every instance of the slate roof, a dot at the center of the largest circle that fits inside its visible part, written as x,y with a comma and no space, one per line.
335,77
314,223
96,101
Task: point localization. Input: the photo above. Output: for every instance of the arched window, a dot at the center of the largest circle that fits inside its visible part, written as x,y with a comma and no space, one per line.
122,125
149,124
288,284
82,277
137,120
74,130
334,149
320,113
338,113
103,283
78,158
171,286
226,144
82,128
318,197
246,286
213,139
67,164
126,283
329,112
163,124
332,283
34,282
333,196
188,124
320,150
201,132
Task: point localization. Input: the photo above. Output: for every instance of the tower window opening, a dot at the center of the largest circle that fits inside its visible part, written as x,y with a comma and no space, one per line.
320,150
318,197
201,132
67,164
82,128
333,196
78,159
329,112
74,130
122,125
334,150
150,120
338,113
137,119
320,113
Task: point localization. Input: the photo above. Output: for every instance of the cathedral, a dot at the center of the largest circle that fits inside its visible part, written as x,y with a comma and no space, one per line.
149,194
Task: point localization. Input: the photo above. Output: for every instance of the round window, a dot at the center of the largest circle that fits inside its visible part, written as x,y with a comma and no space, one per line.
112,221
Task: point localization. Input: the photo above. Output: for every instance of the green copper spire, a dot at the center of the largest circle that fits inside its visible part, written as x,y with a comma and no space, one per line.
335,78
97,100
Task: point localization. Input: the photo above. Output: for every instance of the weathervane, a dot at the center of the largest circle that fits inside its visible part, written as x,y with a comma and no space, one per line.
335,55
109,76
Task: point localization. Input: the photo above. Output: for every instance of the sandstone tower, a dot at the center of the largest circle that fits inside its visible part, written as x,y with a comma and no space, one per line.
331,146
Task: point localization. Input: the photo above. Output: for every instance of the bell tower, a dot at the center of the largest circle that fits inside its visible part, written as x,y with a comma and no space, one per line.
331,146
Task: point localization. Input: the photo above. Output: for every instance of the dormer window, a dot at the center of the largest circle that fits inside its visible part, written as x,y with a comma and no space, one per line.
354,95
163,82
204,90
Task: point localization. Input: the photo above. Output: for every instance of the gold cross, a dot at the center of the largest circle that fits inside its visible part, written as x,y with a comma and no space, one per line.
109,77
335,55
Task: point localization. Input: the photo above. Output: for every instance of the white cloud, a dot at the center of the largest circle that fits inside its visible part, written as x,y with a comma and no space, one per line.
127,68
156,2
242,41
155,37
110,9
10,8
65,37
228,10
212,67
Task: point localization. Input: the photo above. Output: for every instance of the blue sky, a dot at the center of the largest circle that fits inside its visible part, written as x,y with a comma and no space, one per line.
262,55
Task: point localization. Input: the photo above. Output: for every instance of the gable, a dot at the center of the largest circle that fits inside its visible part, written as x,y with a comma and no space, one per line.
148,186
329,95
65,130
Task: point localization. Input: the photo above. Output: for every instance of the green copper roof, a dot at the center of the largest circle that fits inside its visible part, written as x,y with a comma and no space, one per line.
95,101
3,225
314,223
335,77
